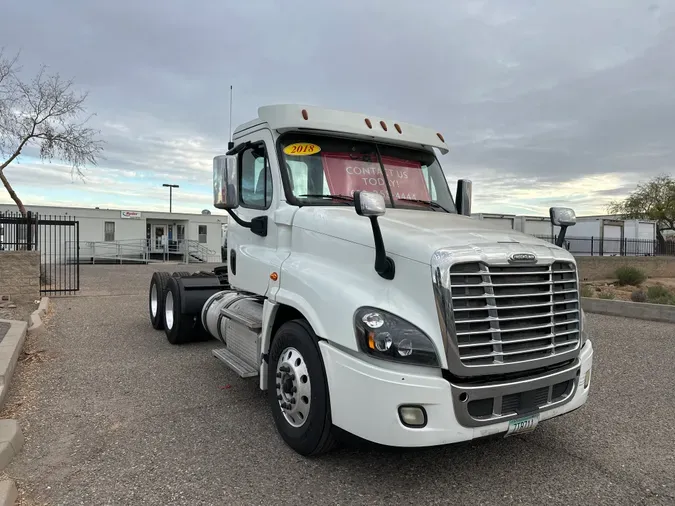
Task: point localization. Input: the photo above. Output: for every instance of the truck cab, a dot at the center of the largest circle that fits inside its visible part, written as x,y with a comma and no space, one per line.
363,296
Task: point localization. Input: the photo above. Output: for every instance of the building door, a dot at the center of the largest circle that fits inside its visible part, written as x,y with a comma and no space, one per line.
159,237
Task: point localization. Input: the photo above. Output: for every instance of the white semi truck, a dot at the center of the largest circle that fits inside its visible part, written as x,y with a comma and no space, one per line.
363,296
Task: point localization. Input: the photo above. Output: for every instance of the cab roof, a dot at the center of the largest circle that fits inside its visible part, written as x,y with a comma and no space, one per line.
286,117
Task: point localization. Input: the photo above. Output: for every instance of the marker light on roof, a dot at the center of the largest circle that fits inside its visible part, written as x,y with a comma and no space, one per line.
383,125
304,114
441,137
398,128
370,125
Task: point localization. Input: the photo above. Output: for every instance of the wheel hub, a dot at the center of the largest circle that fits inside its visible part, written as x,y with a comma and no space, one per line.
293,387
168,310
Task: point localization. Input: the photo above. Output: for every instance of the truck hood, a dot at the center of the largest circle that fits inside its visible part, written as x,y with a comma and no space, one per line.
410,233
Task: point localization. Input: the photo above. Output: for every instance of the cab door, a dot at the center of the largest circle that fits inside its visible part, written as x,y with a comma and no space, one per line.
252,257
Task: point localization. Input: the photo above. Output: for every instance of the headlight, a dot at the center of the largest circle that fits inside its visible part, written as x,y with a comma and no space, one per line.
584,336
388,337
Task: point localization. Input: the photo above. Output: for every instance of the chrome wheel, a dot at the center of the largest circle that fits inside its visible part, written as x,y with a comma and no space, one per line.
153,300
168,310
294,391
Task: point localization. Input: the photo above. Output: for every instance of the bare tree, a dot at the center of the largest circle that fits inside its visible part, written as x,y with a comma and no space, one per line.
653,200
43,113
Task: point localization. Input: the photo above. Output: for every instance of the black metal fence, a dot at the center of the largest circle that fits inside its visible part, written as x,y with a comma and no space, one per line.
57,239
596,246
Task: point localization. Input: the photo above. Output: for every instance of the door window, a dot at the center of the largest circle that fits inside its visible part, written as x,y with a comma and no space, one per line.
256,178
109,231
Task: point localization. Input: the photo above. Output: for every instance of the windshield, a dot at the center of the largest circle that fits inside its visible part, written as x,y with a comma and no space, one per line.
326,170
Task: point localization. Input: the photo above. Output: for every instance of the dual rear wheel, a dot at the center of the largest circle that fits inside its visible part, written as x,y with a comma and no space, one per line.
164,307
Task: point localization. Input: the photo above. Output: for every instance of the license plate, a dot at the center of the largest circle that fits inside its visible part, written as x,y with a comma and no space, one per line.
522,425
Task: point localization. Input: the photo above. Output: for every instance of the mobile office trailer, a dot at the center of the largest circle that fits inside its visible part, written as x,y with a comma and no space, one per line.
113,235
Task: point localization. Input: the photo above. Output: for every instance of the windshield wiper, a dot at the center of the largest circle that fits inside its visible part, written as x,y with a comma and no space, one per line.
336,197
428,202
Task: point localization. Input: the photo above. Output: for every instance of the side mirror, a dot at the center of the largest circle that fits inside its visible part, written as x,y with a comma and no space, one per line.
225,182
463,199
369,204
562,217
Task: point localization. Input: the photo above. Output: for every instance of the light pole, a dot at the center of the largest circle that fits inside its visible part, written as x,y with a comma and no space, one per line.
170,187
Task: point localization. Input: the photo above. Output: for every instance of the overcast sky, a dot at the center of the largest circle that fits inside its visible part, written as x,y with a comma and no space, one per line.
542,102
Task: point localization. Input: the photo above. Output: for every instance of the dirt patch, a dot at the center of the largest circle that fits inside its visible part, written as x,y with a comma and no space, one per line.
16,311
610,289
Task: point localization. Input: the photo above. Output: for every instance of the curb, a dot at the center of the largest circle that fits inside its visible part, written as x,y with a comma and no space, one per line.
10,349
8,493
11,442
637,310
35,325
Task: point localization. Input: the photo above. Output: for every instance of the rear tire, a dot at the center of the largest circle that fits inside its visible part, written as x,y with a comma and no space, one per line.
305,423
156,296
179,328
181,274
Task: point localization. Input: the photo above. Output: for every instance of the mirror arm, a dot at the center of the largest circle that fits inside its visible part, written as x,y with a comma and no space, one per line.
238,149
384,265
257,225
561,236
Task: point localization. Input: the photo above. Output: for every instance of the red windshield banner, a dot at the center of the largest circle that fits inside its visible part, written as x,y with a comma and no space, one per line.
345,176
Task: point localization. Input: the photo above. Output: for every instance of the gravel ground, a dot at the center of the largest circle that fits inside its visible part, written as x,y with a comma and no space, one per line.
113,414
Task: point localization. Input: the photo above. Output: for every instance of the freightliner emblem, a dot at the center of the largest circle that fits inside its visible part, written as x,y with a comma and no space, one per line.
522,258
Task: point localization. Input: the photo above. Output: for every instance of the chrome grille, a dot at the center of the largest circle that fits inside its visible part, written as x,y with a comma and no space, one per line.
513,314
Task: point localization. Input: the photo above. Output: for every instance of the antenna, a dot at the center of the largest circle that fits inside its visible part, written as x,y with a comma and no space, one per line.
230,144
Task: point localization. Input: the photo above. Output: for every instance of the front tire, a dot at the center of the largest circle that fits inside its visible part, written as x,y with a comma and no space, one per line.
156,296
298,391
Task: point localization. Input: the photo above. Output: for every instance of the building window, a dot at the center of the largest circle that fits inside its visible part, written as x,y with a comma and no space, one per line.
202,234
256,178
109,231
180,232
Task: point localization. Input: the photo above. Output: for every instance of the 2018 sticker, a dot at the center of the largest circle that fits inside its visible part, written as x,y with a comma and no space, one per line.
301,149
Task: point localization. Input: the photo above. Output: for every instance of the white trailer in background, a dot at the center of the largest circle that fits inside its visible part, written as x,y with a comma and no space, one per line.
640,237
612,236
539,226
498,221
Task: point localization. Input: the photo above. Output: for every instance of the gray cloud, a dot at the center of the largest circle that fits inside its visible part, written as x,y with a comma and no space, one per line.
528,94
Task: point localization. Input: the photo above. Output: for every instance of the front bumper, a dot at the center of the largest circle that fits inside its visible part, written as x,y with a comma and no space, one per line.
365,398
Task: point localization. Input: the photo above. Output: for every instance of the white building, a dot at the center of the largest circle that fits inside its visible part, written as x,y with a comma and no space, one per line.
131,235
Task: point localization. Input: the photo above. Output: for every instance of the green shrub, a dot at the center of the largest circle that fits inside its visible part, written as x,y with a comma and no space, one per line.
638,296
658,294
628,275
607,295
587,291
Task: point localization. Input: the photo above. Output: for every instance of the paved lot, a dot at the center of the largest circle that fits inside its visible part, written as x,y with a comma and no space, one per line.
115,415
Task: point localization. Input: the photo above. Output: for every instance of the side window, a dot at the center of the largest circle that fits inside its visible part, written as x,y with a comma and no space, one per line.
256,178
430,183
